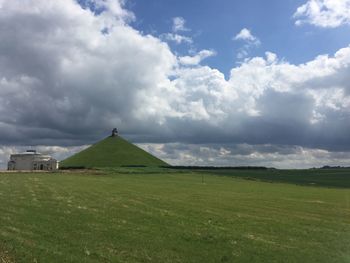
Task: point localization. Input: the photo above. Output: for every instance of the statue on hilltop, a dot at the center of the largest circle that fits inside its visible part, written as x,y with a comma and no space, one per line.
114,132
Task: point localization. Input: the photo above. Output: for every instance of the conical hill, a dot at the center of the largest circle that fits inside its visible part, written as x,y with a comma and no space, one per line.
112,152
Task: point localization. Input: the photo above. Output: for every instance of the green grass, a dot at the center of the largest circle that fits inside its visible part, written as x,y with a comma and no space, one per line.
313,177
112,152
155,215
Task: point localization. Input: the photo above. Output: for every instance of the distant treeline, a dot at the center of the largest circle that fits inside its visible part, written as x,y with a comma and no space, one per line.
181,167
334,167
217,167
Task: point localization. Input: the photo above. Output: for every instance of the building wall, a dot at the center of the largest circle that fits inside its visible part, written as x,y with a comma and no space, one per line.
45,165
32,162
22,162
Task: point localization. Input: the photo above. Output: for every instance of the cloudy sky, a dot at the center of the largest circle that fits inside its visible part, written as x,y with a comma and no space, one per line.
217,83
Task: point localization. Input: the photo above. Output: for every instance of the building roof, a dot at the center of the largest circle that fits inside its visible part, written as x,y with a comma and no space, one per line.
30,153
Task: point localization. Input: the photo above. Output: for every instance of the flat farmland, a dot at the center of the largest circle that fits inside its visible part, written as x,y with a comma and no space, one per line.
161,215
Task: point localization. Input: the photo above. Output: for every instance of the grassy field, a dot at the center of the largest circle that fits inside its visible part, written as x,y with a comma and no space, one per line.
339,178
157,215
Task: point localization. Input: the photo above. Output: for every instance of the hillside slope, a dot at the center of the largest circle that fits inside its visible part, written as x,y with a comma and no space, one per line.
112,152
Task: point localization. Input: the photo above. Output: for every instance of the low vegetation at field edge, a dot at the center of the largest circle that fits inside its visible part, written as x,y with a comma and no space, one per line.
339,178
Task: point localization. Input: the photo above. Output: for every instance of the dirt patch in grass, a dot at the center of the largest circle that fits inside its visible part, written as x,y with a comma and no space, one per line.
5,257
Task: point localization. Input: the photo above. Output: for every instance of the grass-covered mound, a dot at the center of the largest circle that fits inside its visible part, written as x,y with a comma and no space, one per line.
112,152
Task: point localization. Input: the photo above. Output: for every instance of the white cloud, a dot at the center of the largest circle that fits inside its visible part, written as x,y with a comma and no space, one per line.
245,35
179,24
198,58
250,42
321,76
271,57
324,13
265,100
178,39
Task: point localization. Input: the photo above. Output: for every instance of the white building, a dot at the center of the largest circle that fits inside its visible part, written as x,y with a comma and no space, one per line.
31,160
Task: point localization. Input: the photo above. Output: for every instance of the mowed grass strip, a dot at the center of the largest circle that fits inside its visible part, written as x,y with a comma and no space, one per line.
170,217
